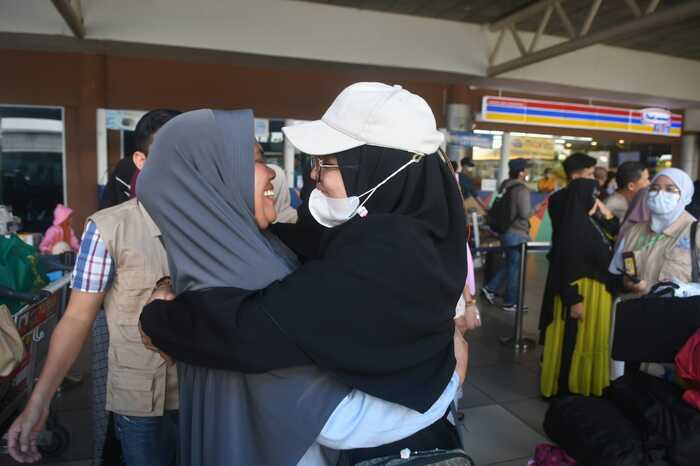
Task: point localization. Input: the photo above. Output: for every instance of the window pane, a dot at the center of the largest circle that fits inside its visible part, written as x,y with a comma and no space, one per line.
31,163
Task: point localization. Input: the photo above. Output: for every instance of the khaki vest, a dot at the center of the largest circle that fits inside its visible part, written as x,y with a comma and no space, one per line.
666,256
139,381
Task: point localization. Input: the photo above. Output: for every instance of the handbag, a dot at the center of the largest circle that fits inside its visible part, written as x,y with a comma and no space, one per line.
11,346
455,457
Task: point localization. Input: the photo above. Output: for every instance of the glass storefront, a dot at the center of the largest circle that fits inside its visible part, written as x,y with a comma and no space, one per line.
32,163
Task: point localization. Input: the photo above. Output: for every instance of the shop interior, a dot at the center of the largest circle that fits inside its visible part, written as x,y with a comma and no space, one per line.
546,151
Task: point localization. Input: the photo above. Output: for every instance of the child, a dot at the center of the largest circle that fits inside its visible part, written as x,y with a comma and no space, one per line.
60,231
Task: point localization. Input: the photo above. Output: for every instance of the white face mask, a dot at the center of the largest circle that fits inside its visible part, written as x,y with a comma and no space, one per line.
331,211
662,202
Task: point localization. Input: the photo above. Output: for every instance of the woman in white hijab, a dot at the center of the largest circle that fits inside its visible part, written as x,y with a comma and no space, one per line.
283,201
661,247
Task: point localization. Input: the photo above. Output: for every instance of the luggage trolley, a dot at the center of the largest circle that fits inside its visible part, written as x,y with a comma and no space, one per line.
35,322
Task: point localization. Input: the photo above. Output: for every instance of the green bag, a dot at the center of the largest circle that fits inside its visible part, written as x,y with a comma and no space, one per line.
20,269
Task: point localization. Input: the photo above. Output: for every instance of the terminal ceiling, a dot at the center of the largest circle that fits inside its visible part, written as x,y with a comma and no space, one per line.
679,39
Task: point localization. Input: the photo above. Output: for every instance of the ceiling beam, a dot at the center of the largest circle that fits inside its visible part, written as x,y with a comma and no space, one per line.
527,12
72,14
636,11
564,18
668,16
653,5
591,16
541,29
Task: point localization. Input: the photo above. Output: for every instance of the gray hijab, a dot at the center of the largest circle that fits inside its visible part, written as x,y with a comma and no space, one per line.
198,187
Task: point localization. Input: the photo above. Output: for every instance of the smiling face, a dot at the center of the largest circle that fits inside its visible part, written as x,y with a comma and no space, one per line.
326,174
263,193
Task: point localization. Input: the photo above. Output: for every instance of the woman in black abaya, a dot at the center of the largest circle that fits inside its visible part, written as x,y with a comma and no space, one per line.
576,314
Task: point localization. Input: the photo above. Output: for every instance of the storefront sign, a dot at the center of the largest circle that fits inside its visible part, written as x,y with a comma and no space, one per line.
532,148
658,118
469,139
564,115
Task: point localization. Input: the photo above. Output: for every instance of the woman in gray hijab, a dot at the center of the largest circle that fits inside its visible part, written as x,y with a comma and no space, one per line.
212,213
202,193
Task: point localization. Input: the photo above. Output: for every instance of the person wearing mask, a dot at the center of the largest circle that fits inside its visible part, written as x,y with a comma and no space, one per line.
631,177
575,320
577,165
661,246
357,268
518,233
120,263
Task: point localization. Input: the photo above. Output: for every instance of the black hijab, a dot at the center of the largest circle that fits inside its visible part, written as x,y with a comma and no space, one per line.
376,308
379,304
580,247
694,207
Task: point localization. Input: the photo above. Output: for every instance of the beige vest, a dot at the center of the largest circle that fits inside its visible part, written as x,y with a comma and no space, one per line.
139,381
665,256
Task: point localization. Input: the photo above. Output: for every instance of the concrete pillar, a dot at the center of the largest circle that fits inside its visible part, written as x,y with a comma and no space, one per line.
289,158
505,156
459,117
690,155
80,123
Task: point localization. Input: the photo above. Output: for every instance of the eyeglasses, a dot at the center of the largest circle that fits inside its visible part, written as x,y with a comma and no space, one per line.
317,163
655,189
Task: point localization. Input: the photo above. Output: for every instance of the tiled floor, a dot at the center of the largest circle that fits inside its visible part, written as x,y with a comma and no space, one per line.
73,410
503,411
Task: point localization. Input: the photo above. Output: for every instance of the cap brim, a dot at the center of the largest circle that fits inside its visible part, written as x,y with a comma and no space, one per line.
317,138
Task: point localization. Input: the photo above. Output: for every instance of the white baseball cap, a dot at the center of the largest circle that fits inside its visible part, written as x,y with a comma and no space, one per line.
374,114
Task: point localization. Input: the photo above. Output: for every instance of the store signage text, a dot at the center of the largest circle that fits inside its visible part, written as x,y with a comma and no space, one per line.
513,110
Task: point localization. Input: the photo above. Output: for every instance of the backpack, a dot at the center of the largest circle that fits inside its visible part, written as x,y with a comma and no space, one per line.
501,215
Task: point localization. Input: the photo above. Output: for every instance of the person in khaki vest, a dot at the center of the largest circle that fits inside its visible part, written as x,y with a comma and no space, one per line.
661,247
120,263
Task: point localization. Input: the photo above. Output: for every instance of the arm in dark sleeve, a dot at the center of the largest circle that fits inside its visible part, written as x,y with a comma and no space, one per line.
233,334
570,295
615,283
611,227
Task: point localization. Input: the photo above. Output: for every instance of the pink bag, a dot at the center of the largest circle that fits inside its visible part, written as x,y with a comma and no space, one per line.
550,455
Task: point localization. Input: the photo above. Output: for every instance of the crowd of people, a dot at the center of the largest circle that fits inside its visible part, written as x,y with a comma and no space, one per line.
243,331
644,221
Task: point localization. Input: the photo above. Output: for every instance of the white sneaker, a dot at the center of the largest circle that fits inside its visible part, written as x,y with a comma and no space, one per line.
488,295
512,308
